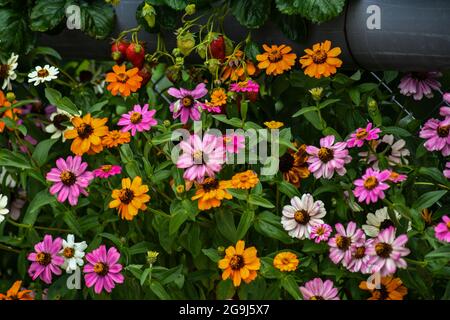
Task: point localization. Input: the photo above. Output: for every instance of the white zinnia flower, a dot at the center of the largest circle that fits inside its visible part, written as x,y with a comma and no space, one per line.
299,217
40,75
56,127
8,71
3,204
396,154
73,253
379,221
8,180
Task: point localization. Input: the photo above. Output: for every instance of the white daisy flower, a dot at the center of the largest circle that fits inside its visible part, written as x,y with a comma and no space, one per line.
379,221
41,75
8,71
56,126
73,253
6,179
396,154
3,204
299,217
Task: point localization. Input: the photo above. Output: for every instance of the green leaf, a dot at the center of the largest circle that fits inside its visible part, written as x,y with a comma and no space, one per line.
314,10
225,225
212,254
113,238
47,51
440,253
316,120
293,26
289,284
251,13
304,110
162,138
55,98
426,200
288,189
400,132
71,220
40,200
260,201
41,151
235,122
47,14
177,219
433,173
13,159
97,19
245,223
355,95
14,33
144,276
159,290
225,290
327,103
177,4
269,225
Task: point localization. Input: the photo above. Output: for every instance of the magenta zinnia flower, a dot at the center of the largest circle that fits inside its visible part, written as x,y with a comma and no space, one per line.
447,170
187,106
320,232
234,142
245,86
107,170
45,259
343,243
419,84
387,252
138,119
397,177
70,179
371,187
102,270
329,158
442,230
316,289
437,134
363,134
201,158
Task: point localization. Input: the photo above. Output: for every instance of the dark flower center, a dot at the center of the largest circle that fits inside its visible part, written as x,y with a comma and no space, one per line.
383,249
286,162
126,195
443,131
135,117
86,76
237,262
326,154
68,252
187,102
382,293
420,75
4,69
106,168
359,253
122,77
386,224
302,217
343,243
101,269
275,56
42,73
316,298
381,147
210,184
44,258
319,57
361,134
84,131
370,183
58,121
68,178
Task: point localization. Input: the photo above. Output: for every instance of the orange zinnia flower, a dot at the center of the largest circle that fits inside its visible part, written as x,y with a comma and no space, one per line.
321,61
14,293
123,81
115,138
211,192
240,264
293,165
131,198
390,289
277,59
219,97
235,68
10,113
286,261
244,180
88,133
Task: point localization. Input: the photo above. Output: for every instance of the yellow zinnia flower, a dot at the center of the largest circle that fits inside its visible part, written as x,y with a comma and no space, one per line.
286,261
244,180
211,192
131,198
240,264
218,97
321,61
273,124
277,59
123,81
87,134
115,138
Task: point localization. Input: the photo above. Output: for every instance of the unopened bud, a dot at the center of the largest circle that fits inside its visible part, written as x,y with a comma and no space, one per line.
10,96
190,9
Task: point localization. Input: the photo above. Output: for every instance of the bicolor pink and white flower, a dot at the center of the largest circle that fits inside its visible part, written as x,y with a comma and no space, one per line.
201,157
245,86
363,134
45,261
70,179
234,143
138,120
447,170
320,232
317,289
187,106
103,270
419,84
371,187
436,132
360,260
107,170
387,252
329,158
442,230
344,241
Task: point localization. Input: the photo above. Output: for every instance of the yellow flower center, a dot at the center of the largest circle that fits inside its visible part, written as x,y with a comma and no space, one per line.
237,262
443,131
383,249
198,155
187,102
101,269
84,131
448,225
135,117
68,252
361,134
320,231
243,84
342,242
319,57
126,195
42,73
106,168
301,216
316,298
326,154
67,178
43,258
370,183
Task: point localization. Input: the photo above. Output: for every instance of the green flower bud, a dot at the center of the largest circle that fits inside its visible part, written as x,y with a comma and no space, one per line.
11,97
185,42
190,9
149,14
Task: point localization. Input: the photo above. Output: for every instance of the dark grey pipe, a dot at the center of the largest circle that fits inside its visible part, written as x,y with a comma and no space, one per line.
405,35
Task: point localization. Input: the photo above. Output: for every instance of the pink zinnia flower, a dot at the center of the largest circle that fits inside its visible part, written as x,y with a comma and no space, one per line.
138,119
107,170
360,260
320,232
436,132
343,243
201,158
363,134
445,111
245,86
234,143
316,289
397,177
387,252
329,158
187,105
442,230
208,106
419,84
70,179
102,270
45,259
447,171
371,187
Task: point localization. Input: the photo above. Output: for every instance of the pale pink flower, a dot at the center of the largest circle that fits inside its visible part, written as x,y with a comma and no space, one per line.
317,289
419,84
343,243
436,132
